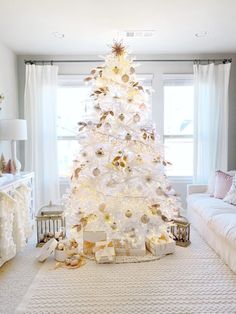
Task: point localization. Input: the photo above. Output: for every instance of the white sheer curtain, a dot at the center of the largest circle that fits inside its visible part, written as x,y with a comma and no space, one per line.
41,146
211,83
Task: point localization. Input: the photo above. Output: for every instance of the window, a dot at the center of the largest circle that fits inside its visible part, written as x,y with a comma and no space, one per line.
72,104
178,124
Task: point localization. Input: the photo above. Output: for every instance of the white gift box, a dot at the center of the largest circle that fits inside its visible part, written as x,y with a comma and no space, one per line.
94,236
90,238
160,247
126,249
104,252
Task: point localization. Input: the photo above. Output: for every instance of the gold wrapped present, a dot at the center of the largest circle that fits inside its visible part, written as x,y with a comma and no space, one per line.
160,244
125,248
104,252
90,238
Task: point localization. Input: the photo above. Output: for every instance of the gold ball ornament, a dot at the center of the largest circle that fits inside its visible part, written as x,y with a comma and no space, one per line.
145,219
116,70
107,218
102,207
121,117
125,78
128,213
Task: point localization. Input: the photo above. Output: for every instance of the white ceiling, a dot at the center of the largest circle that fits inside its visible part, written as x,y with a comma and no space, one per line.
26,26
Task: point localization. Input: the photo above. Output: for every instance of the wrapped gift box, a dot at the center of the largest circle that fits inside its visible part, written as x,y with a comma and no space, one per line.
125,248
104,252
160,245
90,238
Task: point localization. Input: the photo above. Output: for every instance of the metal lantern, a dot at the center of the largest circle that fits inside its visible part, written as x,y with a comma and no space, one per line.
50,223
181,231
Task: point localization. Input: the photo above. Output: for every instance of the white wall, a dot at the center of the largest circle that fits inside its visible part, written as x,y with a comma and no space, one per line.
157,69
8,86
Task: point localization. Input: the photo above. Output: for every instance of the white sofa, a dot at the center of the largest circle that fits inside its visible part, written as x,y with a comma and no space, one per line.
215,220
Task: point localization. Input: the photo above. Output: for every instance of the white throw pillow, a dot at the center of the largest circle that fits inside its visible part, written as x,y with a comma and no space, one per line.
231,195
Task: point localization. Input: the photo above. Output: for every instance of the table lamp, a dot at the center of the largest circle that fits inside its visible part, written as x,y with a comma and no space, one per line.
13,130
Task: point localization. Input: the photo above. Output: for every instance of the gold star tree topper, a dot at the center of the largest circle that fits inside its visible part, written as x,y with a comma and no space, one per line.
118,49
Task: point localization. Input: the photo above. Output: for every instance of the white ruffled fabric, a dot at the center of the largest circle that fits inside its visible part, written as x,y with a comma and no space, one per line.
15,226
7,209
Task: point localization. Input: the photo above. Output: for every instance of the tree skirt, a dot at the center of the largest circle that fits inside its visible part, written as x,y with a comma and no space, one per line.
193,280
131,259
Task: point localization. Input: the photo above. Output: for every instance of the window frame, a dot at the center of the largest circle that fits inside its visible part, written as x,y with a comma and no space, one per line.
69,81
177,80
77,80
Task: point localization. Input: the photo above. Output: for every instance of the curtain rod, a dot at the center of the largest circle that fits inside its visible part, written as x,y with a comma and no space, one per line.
226,60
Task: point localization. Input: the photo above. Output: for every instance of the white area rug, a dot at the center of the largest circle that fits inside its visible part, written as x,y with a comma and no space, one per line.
193,280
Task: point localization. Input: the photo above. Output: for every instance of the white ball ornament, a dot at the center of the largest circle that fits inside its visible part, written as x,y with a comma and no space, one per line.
96,172
136,118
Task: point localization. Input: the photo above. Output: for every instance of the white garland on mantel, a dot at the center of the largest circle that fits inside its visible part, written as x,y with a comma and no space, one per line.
15,225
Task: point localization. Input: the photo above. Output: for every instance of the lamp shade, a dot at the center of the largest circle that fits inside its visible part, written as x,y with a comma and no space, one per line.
13,130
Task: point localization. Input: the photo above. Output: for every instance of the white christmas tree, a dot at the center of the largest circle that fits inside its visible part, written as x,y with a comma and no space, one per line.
119,183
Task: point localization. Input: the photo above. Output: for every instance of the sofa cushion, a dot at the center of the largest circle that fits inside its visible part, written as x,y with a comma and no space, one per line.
208,207
217,214
225,225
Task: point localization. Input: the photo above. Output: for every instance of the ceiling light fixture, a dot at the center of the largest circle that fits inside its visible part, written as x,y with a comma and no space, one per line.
58,35
137,33
201,34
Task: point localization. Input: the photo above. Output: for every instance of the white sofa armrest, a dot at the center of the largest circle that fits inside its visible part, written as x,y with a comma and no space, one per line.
196,188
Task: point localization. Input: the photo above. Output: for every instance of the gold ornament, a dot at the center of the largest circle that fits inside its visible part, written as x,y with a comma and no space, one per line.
102,207
128,213
116,70
119,161
148,178
125,78
128,137
91,217
96,172
107,217
118,49
99,152
145,219
155,209
121,117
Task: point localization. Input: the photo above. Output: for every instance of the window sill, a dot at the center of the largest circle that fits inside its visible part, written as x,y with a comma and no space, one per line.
181,179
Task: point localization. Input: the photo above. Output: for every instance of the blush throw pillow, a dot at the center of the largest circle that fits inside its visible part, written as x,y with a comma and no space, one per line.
231,195
223,183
